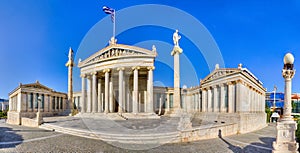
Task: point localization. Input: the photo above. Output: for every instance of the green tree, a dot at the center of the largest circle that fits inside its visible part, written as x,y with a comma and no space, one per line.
269,113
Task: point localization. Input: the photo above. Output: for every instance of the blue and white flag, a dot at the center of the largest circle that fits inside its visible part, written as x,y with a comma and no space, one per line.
110,11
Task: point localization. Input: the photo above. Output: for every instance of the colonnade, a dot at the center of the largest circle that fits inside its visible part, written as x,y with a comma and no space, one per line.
28,102
229,97
129,95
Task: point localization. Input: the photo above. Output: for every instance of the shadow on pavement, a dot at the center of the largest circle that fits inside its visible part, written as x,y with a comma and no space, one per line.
9,138
258,147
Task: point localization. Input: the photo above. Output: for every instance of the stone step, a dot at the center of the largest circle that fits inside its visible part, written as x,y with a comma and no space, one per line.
118,137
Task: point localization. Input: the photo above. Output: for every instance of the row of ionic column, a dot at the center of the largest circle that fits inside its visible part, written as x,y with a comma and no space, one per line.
219,98
93,98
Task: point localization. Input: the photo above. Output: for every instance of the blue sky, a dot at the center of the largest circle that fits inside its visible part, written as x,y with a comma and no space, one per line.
35,37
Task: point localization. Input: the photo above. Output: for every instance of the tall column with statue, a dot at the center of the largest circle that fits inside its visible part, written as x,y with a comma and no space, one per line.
70,65
176,52
286,127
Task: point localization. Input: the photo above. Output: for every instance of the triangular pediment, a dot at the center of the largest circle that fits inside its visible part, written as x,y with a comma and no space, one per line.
116,51
219,73
36,85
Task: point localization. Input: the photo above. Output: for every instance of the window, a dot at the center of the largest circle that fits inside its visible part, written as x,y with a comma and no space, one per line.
61,103
43,101
53,103
36,101
30,101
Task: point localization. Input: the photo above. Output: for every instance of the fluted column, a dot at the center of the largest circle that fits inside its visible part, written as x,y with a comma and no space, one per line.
94,92
89,95
150,89
99,96
111,95
135,89
106,71
216,99
168,102
230,98
204,102
121,98
209,102
83,93
222,99
239,91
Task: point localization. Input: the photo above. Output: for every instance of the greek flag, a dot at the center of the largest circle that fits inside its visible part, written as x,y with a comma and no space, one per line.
110,11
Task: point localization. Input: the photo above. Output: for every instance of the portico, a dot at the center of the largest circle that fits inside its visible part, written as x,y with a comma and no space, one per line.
118,78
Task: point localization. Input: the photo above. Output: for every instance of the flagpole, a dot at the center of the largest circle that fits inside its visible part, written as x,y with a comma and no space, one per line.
114,25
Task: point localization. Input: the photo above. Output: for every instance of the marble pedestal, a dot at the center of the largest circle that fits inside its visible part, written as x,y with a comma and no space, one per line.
39,118
285,139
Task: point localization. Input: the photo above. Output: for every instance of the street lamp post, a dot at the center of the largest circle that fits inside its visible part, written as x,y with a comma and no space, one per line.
286,127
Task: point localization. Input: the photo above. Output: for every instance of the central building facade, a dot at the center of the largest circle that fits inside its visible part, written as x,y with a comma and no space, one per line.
118,78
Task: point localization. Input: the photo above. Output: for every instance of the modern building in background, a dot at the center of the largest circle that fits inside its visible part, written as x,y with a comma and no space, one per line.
277,100
3,104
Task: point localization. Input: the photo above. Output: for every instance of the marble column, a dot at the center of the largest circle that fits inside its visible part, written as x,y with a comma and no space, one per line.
239,92
209,102
106,71
89,95
135,90
230,98
111,95
204,102
121,98
150,89
46,103
99,96
49,103
222,99
177,96
145,101
34,102
83,93
94,92
168,102
216,99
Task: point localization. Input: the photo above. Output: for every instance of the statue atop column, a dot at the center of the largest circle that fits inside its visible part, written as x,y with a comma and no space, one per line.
176,38
176,48
176,110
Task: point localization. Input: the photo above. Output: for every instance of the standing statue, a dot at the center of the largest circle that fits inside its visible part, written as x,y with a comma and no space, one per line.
176,38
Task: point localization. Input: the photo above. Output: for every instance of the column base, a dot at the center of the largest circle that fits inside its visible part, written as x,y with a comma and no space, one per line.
285,139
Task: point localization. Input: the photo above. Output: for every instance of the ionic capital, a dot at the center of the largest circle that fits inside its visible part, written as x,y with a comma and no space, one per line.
82,75
94,73
136,68
151,68
121,69
106,70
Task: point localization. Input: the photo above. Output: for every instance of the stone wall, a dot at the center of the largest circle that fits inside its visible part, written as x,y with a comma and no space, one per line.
13,118
208,133
251,121
29,122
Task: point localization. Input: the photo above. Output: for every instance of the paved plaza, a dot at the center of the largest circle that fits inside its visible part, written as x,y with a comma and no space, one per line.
15,138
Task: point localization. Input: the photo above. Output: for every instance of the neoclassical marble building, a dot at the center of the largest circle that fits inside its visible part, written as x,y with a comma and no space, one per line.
117,78
23,102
